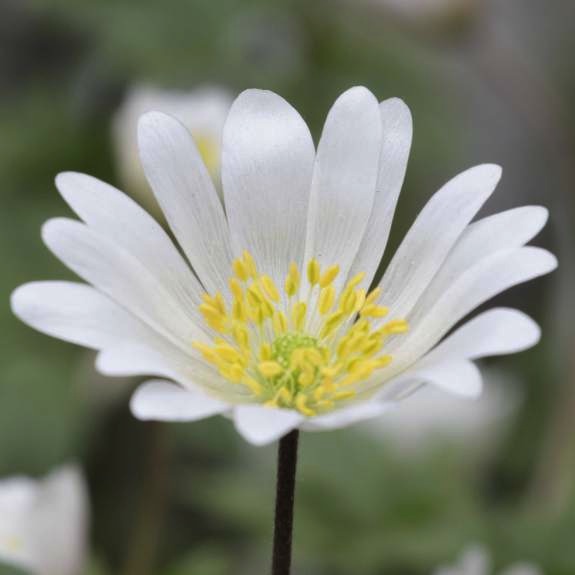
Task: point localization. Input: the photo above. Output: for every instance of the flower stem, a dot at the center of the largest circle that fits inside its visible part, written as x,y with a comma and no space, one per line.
285,493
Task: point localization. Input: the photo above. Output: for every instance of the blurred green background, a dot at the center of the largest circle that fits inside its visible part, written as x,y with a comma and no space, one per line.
487,81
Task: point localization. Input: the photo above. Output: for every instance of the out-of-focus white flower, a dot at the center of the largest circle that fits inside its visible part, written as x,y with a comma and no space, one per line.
44,523
476,561
432,417
276,327
202,111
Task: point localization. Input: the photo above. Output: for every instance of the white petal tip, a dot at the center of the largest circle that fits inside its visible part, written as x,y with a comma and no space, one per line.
262,425
395,105
19,301
159,400
153,120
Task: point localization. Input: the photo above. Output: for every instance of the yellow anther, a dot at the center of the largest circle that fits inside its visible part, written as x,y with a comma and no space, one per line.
234,372
332,371
279,323
236,288
382,361
313,272
355,280
220,303
254,385
396,326
307,376
328,276
228,353
373,296
326,299
241,336
325,405
319,393
208,352
349,302
210,312
254,295
360,296
331,324
270,288
314,356
250,264
285,395
300,403
343,395
374,311
265,351
298,315
292,280
363,368
297,358
270,368
371,347
239,311
240,270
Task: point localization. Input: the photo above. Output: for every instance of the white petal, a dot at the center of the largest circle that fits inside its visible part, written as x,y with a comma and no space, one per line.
163,401
117,217
261,425
484,238
73,312
460,377
495,332
187,196
153,356
435,231
397,131
346,416
118,274
267,165
344,180
80,314
432,319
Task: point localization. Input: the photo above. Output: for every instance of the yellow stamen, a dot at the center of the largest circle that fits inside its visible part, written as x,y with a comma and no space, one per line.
313,272
328,276
270,368
309,352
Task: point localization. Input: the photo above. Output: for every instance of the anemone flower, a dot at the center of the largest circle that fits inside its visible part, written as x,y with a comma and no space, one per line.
43,523
270,314
271,320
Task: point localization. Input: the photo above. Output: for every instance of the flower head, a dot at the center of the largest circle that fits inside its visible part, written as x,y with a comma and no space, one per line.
43,523
279,325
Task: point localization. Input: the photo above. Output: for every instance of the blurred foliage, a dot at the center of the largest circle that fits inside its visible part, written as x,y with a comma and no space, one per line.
204,496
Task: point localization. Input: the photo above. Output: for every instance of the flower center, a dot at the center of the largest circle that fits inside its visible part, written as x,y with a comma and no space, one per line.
308,348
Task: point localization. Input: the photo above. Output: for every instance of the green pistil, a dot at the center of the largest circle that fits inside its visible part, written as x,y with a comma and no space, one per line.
285,345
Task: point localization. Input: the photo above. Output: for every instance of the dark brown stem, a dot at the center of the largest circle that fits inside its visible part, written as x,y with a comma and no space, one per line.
285,495
145,537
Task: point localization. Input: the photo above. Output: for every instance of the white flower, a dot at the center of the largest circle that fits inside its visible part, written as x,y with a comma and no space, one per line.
476,561
203,111
264,329
44,523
